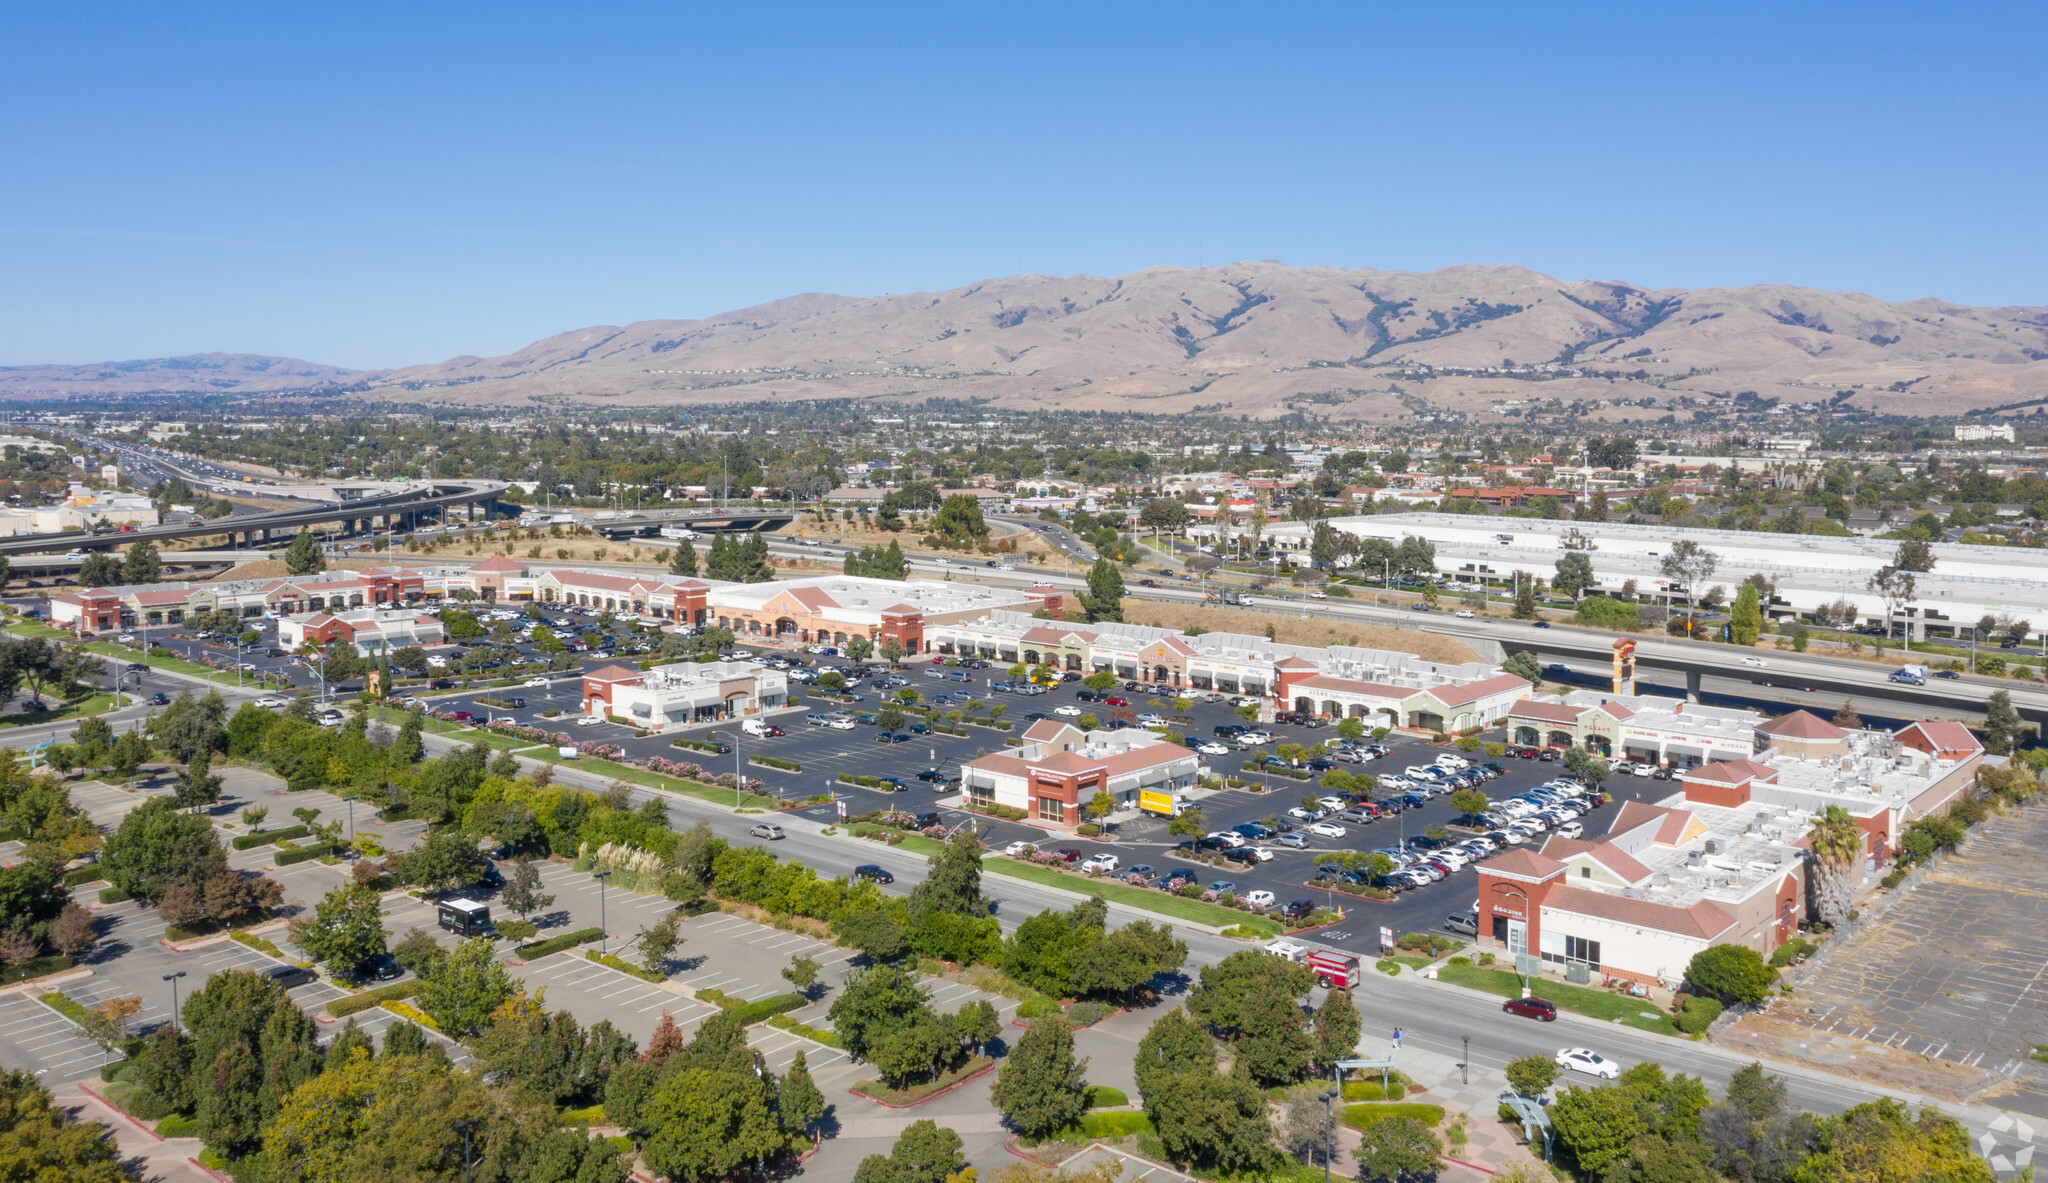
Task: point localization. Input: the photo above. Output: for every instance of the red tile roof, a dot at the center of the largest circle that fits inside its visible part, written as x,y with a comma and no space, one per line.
612,673
1614,858
1452,696
1944,736
1702,921
1525,864
1802,725
1555,712
1731,772
1368,689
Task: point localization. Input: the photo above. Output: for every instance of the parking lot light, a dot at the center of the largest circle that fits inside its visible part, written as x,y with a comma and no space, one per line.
172,978
604,940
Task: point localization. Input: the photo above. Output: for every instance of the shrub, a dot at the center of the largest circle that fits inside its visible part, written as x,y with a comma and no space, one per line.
300,854
177,1125
342,1008
1370,1090
1696,1014
114,895
1733,973
518,930
1360,1116
817,1034
781,762
1088,830
556,944
1116,1125
1796,947
1102,1096
87,874
1893,878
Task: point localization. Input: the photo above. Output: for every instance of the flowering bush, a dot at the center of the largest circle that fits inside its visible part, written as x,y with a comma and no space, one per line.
603,751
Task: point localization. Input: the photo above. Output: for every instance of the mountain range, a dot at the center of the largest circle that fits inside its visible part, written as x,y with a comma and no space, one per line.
1258,338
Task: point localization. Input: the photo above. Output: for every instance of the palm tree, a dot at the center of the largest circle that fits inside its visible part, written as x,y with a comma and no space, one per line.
1837,845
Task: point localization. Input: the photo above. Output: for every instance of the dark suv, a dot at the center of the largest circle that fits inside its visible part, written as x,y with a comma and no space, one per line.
1299,909
873,872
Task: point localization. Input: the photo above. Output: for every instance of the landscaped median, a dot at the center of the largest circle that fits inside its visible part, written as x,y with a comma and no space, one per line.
1165,903
1594,1004
341,1008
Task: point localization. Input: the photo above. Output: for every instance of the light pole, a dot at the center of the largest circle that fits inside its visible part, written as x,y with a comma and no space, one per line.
1329,1100
1465,1062
604,940
465,1127
172,978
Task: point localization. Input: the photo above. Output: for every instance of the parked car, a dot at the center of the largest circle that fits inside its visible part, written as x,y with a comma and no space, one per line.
1592,1063
873,873
768,830
1462,922
1541,1009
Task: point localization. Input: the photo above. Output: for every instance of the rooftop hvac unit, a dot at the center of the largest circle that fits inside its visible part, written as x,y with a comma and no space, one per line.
1714,846
1660,879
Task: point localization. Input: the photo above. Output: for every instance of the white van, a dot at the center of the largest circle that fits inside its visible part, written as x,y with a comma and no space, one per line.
755,727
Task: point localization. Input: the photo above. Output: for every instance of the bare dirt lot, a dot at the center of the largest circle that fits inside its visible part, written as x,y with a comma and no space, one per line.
1315,632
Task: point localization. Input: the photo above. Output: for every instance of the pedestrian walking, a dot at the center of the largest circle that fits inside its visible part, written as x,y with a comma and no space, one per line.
1397,1039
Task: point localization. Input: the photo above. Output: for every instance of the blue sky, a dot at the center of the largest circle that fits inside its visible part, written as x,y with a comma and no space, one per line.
380,185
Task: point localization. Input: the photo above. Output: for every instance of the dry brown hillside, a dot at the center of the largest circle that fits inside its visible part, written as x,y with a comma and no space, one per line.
1255,338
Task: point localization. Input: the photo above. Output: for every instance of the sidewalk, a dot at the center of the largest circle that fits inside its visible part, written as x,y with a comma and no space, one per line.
1491,1144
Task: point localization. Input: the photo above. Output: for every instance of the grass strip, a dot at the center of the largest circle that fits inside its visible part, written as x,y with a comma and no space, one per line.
1164,903
1359,1117
1594,1004
815,1034
878,1091
625,967
257,943
556,944
65,1005
341,1008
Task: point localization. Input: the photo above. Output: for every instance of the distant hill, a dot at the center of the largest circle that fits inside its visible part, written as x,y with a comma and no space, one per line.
1255,338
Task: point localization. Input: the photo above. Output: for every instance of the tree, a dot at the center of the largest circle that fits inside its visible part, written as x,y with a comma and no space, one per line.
522,892
1176,1044
196,787
1690,565
1230,988
1525,599
40,1141
659,941
924,1153
1574,574
1164,513
1469,803
874,1004
2002,724
800,1102
802,974
1596,1126
1897,589
142,564
1836,843
1397,1148
1914,554
873,931
1746,619
465,988
1271,1043
1336,1028
685,561
447,859
99,570
1212,1122
1882,1140
1040,1089
1304,1132
1731,973
419,953
1754,1136
1531,1076
346,930
1521,663
1104,599
303,557
74,930
158,846
1846,716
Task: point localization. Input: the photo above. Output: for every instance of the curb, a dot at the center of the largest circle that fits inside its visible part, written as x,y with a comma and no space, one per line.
130,1118
933,1097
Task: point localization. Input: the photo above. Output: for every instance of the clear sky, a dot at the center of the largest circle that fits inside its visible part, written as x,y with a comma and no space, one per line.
373,185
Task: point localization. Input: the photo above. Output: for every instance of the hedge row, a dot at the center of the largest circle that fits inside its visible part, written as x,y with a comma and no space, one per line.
341,1008
88,873
114,895
299,854
556,944
777,762
1116,1123
816,1034
48,964
265,838
624,967
750,1013
1254,769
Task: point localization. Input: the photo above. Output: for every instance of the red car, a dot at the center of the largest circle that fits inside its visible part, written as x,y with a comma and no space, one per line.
1115,701
1068,853
1540,1009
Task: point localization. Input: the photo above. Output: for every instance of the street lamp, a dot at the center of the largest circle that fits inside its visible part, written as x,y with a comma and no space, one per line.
1328,1098
172,978
604,938
1465,1063
465,1127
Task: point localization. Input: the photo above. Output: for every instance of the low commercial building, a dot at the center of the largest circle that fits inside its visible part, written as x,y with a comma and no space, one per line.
684,693
1645,728
1058,768
1726,859
372,630
828,609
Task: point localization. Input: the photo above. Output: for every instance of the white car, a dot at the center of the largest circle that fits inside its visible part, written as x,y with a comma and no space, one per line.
1101,864
1570,830
1262,854
437,663
1259,899
590,720
127,638
1316,595
1758,662
1463,614
1068,712
1326,829
1304,815
841,724
1332,803
1454,762
271,704
1592,1063
1149,720
76,556
536,681
1229,838
1015,848
1288,949
1213,749
1646,770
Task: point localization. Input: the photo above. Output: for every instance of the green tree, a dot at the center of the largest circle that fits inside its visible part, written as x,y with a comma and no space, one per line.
924,1153
1104,599
1336,1029
447,859
1525,599
1731,973
142,564
1837,845
874,1004
410,745
1272,1044
346,930
2002,724
99,570
1176,1044
1596,1126
41,1141
465,988
1209,1122
303,557
659,942
800,1102
1469,803
1531,1076
1230,989
1574,575
157,846
1522,664
1040,1089
522,893
197,787
1397,1148
685,561
1746,619
802,974
1883,1141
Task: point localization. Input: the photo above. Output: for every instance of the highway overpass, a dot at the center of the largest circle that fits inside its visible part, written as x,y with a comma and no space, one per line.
401,512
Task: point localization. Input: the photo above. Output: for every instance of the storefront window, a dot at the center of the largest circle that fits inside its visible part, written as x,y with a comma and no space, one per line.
1052,809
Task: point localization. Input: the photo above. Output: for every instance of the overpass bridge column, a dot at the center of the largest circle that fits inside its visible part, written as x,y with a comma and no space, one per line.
1692,685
